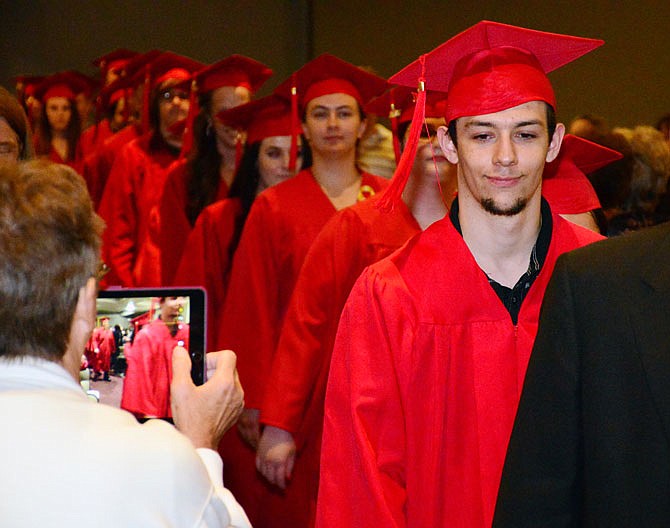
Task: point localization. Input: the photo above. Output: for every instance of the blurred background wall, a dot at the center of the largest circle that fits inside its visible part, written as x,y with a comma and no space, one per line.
626,81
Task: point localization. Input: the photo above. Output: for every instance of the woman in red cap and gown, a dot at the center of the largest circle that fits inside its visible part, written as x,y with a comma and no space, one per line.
138,176
210,247
207,173
282,224
59,126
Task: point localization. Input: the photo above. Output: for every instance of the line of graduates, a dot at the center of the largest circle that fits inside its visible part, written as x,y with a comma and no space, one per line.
263,204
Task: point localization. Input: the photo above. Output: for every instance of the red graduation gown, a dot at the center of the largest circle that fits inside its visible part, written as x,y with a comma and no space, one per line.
353,239
136,182
206,257
96,167
282,224
146,387
104,344
424,383
171,225
93,138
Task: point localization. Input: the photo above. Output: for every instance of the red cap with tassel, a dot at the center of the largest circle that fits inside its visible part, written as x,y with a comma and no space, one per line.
325,75
487,68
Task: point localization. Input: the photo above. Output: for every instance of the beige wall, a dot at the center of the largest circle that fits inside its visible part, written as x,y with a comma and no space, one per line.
625,81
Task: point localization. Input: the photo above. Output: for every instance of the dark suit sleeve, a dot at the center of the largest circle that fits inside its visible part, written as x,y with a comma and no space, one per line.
540,479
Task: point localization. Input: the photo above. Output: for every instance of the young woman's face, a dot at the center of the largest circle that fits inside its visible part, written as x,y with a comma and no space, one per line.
273,160
59,113
225,98
333,123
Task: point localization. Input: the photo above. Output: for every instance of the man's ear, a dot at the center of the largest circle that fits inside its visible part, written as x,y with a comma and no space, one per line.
85,310
447,145
556,141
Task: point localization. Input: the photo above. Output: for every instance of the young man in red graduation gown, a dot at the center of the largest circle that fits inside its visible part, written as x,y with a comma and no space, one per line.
357,236
146,387
433,342
103,345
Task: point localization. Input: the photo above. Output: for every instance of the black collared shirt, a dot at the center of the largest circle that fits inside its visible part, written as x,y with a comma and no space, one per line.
513,297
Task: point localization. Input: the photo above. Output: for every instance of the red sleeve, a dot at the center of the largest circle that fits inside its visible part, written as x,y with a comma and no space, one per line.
172,225
118,210
362,459
301,362
249,322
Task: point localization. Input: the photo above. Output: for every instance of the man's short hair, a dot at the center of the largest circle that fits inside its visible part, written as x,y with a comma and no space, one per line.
551,125
49,248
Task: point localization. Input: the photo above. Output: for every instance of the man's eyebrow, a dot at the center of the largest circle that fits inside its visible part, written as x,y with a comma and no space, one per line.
532,122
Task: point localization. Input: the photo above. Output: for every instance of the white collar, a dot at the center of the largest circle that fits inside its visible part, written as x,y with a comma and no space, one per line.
32,373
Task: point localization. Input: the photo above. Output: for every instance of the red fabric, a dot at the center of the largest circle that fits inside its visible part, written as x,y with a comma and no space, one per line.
282,223
146,387
93,138
170,225
206,257
96,167
294,398
103,345
424,383
138,176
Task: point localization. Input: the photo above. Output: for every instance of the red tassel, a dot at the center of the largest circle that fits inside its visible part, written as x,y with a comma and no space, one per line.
393,192
293,155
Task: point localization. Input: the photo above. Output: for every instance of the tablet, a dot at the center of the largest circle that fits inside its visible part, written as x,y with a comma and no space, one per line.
128,358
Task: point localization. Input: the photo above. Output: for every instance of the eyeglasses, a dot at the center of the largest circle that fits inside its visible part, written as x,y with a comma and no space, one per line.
171,93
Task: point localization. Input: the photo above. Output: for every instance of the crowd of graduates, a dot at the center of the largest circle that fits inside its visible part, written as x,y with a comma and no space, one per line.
276,205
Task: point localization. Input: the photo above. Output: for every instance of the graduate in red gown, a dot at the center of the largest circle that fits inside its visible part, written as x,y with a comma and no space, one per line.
208,172
282,223
207,258
59,126
354,238
146,387
112,67
208,252
433,342
138,175
103,346
97,166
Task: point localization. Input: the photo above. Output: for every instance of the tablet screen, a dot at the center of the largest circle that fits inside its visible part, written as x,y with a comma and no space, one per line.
128,359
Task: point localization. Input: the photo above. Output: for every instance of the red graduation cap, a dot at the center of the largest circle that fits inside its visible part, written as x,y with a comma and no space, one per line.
87,85
114,60
265,117
487,68
236,70
62,84
166,66
564,182
25,85
398,105
326,75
